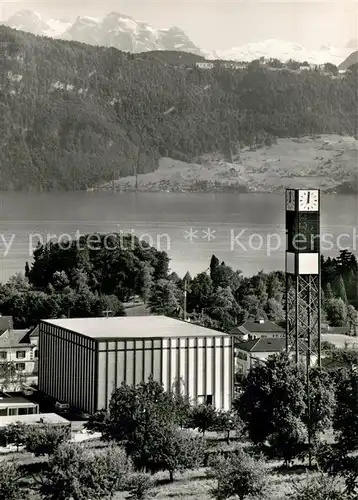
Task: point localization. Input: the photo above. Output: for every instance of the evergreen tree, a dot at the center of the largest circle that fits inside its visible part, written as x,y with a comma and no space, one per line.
340,289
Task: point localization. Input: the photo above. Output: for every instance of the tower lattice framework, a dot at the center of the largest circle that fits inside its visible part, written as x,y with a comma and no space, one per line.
303,276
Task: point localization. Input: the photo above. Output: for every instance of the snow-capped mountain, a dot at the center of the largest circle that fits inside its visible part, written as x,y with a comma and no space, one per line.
283,51
115,30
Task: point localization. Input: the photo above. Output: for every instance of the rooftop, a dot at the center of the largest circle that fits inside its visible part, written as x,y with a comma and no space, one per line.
16,401
133,327
263,345
262,327
48,418
14,338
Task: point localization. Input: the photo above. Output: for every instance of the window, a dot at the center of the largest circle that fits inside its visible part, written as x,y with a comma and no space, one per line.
20,367
12,411
242,356
36,353
3,412
3,354
20,354
23,411
208,399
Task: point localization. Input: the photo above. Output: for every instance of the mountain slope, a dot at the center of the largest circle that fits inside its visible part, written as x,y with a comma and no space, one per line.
114,30
351,59
74,115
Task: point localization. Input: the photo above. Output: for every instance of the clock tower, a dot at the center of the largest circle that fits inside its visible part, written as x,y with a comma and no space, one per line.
303,276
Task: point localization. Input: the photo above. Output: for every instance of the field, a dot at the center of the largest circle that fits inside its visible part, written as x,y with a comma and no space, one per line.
324,161
189,485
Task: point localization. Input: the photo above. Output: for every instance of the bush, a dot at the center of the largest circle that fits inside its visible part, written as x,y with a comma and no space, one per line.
322,487
9,481
240,475
139,486
45,439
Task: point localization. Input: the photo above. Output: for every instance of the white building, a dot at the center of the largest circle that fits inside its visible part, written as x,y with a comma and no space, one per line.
18,359
84,359
261,328
253,352
205,65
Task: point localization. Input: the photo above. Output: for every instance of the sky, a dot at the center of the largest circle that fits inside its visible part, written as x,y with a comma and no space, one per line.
221,24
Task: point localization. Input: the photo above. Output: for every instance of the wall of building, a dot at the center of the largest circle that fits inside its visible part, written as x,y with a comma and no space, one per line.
245,360
200,366
67,366
25,357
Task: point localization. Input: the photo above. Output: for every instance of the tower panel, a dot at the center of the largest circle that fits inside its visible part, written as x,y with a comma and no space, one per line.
303,280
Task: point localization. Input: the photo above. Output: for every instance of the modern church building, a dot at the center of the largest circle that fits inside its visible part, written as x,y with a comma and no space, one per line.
82,360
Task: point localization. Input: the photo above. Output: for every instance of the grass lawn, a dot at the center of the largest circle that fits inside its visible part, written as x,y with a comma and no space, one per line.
193,485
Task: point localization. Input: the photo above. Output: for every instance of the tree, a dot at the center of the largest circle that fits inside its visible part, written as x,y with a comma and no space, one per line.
111,470
272,395
223,308
9,481
139,486
274,310
165,298
340,289
214,263
177,450
321,487
14,434
331,68
44,439
336,312
345,421
203,417
328,294
201,289
322,402
352,320
226,422
75,472
240,475
288,441
138,416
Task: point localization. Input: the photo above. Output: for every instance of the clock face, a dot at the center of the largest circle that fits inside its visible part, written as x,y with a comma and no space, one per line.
290,199
308,201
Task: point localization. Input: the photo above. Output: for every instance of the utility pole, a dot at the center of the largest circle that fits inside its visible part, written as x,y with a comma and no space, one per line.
185,297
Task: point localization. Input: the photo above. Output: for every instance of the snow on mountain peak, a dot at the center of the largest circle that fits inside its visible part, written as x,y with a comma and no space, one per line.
114,30
283,51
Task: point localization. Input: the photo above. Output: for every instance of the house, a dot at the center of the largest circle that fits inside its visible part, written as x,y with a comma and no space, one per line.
205,65
252,352
16,405
257,329
336,330
83,359
18,358
33,419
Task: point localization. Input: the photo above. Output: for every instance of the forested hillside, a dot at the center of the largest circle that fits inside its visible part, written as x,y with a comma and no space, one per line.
74,115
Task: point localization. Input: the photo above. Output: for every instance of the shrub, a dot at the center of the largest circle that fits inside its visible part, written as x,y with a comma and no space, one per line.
240,475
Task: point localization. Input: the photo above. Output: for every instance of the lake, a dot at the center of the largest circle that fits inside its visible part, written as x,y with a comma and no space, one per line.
246,230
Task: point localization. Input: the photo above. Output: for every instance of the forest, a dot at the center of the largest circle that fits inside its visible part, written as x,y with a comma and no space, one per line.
93,274
75,116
